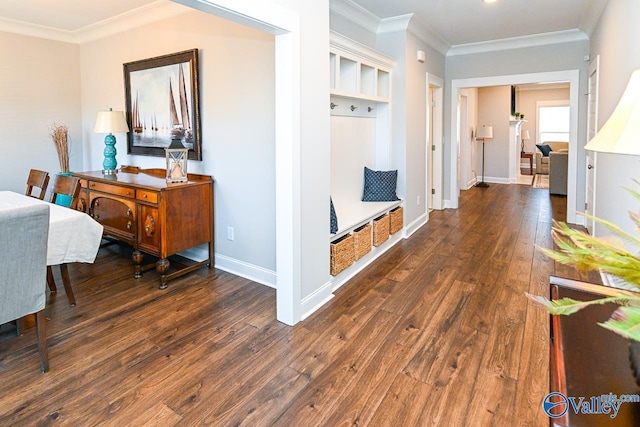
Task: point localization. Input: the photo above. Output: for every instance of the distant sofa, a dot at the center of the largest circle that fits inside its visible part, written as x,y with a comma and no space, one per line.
542,162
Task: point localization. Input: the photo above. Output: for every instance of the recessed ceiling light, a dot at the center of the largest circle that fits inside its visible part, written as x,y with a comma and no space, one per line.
489,1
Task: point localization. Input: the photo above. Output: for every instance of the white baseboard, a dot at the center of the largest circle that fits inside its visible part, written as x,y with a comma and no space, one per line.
497,180
415,225
252,272
316,300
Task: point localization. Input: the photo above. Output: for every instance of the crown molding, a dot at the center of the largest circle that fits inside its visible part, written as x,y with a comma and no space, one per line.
355,49
410,23
591,16
147,14
355,13
534,40
33,30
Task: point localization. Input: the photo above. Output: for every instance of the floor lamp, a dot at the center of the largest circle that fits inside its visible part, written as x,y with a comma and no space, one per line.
484,132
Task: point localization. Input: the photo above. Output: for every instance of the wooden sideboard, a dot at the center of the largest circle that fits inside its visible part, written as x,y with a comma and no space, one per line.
141,208
587,360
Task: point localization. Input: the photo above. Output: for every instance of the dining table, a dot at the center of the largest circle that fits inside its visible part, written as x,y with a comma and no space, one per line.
73,235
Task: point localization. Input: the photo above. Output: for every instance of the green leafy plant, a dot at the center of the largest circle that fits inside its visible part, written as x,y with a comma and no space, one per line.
589,253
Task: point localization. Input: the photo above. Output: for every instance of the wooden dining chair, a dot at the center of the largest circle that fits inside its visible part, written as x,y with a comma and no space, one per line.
39,179
67,186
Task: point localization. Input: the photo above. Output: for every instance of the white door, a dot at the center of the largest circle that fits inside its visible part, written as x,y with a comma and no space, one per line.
592,129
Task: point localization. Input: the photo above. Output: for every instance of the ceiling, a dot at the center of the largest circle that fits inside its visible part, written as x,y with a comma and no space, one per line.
462,22
457,22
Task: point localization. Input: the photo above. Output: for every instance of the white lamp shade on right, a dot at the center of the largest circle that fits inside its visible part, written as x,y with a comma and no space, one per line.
621,133
485,132
525,135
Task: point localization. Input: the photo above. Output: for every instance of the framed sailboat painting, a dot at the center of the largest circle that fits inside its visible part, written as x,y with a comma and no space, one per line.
163,111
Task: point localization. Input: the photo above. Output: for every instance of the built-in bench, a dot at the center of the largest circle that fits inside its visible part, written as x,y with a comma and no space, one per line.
354,213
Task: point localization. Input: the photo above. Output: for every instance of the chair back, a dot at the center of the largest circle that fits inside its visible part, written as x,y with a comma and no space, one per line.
39,179
67,186
24,233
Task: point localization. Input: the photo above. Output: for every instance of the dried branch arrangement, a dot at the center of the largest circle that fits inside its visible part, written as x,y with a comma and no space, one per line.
60,136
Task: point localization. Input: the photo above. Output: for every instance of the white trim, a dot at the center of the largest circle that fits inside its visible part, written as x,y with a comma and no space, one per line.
355,13
248,271
285,24
357,51
367,20
135,18
520,42
415,225
316,300
572,76
438,139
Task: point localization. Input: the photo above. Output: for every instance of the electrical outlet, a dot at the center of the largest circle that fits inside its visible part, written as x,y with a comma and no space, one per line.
230,233
418,201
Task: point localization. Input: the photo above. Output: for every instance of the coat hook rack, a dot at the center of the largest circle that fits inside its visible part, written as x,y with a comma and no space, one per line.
370,109
353,107
332,105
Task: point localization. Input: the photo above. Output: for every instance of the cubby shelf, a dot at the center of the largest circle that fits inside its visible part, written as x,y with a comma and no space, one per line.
358,71
360,102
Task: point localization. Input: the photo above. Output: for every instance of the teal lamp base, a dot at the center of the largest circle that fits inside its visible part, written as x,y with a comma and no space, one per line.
109,164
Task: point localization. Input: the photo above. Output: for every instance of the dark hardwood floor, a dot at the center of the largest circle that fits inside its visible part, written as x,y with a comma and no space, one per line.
437,332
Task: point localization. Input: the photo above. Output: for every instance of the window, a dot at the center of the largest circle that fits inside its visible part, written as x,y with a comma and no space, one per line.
553,121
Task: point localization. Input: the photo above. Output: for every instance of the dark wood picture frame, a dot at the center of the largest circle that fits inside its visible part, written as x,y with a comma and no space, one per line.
163,104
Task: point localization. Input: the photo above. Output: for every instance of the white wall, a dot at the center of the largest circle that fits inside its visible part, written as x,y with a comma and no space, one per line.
539,59
615,39
40,86
236,106
494,107
409,103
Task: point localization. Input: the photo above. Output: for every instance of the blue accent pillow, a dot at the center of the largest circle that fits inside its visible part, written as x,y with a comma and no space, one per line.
545,149
380,186
334,218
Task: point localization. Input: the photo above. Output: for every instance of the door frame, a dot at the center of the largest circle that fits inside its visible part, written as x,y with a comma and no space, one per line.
591,156
571,76
437,84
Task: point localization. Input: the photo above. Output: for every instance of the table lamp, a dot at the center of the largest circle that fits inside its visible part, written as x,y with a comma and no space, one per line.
110,122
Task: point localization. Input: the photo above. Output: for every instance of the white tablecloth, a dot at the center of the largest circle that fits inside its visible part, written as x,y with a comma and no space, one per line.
73,235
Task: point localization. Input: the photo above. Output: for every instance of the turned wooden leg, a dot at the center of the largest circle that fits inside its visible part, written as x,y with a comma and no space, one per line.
162,266
137,258
41,338
64,271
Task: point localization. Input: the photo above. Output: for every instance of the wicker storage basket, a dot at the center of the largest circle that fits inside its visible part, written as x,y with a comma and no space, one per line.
395,220
362,241
380,230
342,254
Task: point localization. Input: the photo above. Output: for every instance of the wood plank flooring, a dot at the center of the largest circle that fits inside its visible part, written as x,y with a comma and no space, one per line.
437,332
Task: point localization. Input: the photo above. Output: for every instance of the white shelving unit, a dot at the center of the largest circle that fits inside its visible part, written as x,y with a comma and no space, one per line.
360,94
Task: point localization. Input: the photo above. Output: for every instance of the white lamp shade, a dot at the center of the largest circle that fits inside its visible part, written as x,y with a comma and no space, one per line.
621,133
111,122
525,135
485,132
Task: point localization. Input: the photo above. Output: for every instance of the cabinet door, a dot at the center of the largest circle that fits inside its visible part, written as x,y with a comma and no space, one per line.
117,216
149,230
